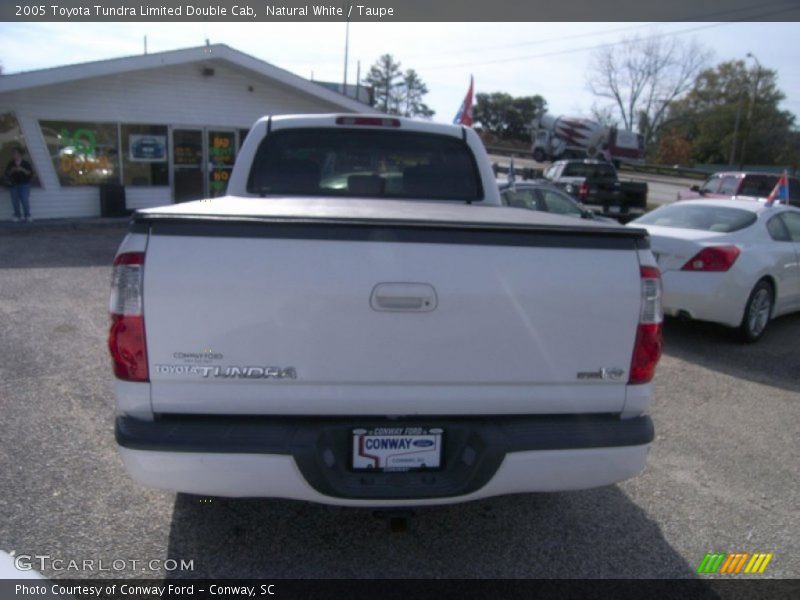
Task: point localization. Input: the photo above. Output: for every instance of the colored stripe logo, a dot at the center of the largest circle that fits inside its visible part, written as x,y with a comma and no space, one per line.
734,563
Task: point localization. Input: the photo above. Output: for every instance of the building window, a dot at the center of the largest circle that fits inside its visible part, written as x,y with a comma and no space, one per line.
83,153
10,138
145,154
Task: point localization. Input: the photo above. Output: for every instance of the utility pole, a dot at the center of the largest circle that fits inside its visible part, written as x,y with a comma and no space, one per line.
358,80
750,106
732,158
346,48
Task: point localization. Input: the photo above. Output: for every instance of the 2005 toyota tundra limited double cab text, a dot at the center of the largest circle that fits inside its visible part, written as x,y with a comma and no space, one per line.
360,322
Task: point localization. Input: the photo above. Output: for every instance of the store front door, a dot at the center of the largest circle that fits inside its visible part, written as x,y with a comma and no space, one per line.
187,161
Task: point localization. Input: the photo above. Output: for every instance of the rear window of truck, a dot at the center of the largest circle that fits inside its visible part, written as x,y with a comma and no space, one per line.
590,170
758,185
364,163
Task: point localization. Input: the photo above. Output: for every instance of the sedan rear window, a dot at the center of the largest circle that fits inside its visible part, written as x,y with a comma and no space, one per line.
705,218
365,163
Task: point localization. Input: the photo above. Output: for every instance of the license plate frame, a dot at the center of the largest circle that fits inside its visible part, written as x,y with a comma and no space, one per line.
390,449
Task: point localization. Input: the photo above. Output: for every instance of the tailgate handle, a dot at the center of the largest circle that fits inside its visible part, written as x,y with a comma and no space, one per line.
404,297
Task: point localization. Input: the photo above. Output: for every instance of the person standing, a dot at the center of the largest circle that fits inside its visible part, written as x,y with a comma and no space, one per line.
19,174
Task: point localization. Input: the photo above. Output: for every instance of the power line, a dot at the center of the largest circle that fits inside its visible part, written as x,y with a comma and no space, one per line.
596,46
539,42
695,18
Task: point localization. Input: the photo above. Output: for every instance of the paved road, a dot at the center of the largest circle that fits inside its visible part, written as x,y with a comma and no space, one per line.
722,474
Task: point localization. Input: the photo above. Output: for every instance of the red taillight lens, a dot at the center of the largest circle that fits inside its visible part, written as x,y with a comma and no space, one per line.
371,121
127,347
126,340
649,341
646,353
713,258
583,191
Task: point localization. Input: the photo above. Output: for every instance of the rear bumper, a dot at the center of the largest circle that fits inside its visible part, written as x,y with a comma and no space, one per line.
307,459
716,297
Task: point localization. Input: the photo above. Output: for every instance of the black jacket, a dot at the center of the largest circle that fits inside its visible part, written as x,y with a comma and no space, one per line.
18,177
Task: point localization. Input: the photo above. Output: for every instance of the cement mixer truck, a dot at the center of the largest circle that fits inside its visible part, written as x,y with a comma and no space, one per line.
556,137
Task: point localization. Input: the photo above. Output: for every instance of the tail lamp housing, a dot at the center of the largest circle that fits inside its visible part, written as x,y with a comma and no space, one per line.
649,340
713,258
126,339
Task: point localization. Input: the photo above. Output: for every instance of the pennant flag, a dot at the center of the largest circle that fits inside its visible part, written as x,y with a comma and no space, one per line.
781,190
464,114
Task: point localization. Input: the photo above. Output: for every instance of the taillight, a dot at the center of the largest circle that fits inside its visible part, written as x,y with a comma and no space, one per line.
583,191
371,121
647,350
126,336
713,258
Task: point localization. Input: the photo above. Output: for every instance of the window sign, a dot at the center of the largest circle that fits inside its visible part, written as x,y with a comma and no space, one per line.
188,152
83,153
144,161
147,148
221,156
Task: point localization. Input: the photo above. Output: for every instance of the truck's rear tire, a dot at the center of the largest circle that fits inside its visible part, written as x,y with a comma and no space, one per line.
539,155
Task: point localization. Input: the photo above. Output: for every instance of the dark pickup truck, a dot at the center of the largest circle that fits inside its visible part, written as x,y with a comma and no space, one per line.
595,184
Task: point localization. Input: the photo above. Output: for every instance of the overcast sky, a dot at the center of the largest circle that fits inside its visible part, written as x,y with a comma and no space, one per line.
550,59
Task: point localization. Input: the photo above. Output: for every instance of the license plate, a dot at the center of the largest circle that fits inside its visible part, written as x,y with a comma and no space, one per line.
397,449
614,209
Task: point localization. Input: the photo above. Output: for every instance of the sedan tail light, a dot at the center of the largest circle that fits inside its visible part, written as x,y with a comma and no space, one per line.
583,191
126,340
713,258
647,349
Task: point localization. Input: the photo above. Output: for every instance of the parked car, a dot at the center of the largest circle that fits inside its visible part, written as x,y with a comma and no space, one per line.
596,184
740,183
545,197
733,262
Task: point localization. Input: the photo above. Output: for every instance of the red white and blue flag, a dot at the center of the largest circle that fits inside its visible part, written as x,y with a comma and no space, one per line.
464,114
781,191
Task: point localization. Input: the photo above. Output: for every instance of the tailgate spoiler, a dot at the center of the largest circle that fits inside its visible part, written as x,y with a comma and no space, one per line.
553,232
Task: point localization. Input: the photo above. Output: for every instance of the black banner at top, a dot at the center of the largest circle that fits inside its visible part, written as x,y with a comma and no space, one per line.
399,10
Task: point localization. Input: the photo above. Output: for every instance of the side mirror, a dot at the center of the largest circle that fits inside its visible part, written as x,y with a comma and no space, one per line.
695,188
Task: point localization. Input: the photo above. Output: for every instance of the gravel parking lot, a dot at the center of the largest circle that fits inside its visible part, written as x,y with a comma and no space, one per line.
722,476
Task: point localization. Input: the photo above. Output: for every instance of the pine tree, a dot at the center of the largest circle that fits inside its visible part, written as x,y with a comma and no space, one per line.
385,78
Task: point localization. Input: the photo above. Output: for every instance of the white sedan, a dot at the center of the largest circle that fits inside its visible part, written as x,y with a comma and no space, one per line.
735,262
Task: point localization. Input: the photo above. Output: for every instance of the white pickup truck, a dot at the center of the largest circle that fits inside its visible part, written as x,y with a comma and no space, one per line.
360,322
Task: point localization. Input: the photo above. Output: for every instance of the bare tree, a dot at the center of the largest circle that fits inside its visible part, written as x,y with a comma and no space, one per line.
643,75
605,115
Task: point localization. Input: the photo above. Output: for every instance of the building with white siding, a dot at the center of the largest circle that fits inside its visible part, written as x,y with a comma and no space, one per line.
163,127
